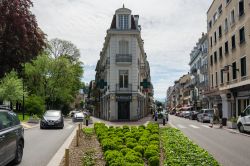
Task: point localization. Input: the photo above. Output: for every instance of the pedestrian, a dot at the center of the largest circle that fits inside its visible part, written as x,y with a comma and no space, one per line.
156,115
216,117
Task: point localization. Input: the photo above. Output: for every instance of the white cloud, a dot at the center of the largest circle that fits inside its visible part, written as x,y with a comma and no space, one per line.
170,30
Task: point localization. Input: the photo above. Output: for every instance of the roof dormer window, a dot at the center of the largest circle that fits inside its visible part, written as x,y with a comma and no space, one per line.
123,21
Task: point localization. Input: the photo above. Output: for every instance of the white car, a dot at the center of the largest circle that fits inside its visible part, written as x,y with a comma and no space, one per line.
243,121
78,117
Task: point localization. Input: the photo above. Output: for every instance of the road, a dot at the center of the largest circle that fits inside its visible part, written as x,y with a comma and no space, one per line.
41,145
228,148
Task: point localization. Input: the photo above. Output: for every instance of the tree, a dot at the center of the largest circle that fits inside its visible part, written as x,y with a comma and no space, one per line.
11,88
20,37
57,81
58,47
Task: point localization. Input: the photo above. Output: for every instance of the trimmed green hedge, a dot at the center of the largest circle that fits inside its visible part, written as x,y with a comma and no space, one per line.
125,146
179,150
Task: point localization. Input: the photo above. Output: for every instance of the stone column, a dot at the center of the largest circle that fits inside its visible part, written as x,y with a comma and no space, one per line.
226,106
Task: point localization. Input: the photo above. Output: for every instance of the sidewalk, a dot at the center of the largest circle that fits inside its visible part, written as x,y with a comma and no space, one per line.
27,125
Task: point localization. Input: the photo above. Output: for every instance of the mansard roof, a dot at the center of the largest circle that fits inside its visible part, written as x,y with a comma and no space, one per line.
113,23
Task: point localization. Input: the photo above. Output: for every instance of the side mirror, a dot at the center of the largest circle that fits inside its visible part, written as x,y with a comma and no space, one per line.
242,114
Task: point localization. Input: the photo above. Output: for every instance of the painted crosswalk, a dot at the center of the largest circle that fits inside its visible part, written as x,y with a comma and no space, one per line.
181,126
184,126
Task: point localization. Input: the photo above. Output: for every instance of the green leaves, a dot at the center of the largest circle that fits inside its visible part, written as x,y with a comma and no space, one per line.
180,150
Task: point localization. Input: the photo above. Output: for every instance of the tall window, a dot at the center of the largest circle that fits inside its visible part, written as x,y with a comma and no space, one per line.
123,47
123,78
234,70
216,79
220,53
233,42
215,56
232,18
211,60
242,35
226,25
243,67
212,80
241,7
215,40
220,9
211,41
123,21
221,76
220,31
228,75
226,47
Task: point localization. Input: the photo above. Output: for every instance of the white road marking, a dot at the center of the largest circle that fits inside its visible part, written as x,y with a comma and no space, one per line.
171,124
180,126
69,127
205,126
196,127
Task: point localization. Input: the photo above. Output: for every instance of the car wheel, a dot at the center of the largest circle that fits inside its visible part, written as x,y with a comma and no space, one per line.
41,127
241,128
19,152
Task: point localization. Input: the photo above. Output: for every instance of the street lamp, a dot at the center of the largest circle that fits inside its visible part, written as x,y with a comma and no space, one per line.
226,68
23,89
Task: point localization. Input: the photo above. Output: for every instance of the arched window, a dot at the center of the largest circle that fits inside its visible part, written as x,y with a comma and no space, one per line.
123,47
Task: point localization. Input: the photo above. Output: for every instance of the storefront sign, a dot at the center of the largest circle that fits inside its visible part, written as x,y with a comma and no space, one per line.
123,98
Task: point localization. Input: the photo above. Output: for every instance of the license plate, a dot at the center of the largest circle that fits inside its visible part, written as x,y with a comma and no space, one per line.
51,123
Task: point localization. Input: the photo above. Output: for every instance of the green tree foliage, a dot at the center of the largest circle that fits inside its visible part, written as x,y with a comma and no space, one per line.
35,105
11,88
57,81
20,37
58,47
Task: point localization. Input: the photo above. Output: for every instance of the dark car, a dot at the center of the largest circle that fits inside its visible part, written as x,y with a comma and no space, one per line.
52,119
11,138
193,115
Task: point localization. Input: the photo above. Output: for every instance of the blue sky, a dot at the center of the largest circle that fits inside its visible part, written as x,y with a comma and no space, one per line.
170,29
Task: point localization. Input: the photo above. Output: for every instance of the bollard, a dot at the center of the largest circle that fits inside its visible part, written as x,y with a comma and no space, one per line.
164,121
79,129
87,122
77,140
66,157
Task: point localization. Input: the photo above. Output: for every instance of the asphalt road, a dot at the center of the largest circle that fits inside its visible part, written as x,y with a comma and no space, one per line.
41,145
228,148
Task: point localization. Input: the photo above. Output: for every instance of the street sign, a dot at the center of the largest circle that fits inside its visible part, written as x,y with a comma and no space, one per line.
145,84
102,84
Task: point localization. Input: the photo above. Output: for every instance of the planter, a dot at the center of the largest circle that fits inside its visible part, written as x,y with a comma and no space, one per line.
231,125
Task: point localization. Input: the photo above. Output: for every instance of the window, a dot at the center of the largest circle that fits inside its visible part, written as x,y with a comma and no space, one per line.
243,67
220,53
234,70
226,25
215,57
123,78
220,9
216,79
228,76
123,21
233,42
123,47
227,1
211,41
221,76
211,60
212,80
215,37
241,7
210,24
215,17
232,19
6,120
220,31
242,35
226,47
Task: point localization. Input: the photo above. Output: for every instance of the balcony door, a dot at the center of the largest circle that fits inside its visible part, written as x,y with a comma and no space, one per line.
123,79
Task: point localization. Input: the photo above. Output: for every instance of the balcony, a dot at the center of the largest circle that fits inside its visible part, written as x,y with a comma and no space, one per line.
126,89
123,59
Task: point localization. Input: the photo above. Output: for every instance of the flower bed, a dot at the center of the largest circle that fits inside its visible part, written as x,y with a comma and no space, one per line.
129,146
179,150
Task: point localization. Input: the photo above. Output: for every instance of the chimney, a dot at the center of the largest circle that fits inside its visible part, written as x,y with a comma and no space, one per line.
136,17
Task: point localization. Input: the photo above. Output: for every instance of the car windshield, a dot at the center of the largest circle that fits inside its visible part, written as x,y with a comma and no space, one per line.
52,113
209,111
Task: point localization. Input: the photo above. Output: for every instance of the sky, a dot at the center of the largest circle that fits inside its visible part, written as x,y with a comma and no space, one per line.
170,30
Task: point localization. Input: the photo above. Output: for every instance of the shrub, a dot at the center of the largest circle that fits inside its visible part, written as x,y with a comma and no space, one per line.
150,153
139,149
125,129
35,105
112,155
154,161
143,141
131,158
154,137
153,147
108,144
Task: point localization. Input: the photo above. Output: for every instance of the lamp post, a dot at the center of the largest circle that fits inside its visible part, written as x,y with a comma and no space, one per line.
23,89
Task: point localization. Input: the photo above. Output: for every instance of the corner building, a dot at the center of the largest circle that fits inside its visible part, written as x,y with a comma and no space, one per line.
229,55
123,66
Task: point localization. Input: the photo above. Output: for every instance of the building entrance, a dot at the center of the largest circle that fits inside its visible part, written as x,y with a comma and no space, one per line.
123,110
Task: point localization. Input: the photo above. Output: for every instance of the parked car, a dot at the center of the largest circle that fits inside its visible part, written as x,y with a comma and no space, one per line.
52,118
243,121
71,113
11,138
186,114
78,117
193,115
205,115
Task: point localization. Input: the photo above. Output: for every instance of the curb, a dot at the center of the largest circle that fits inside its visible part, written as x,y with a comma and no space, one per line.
236,132
56,159
26,126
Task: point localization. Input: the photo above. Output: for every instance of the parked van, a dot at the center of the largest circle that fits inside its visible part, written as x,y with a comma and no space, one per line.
243,121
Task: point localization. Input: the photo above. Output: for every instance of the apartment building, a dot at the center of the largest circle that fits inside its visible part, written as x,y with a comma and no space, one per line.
229,55
122,70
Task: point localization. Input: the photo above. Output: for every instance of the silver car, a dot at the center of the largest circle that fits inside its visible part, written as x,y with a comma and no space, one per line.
205,115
